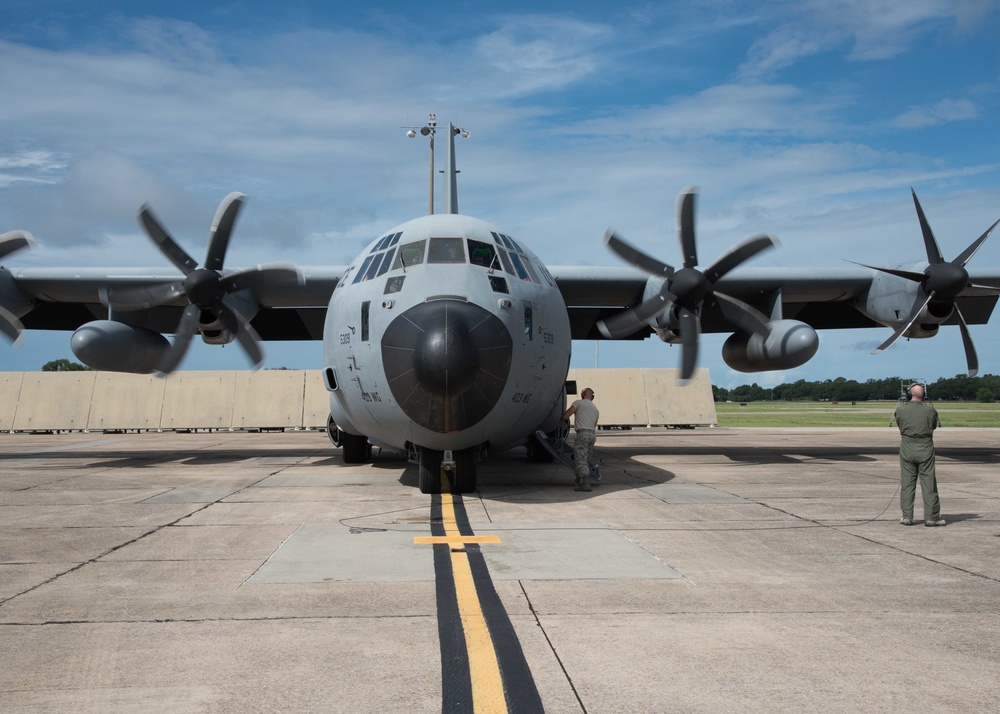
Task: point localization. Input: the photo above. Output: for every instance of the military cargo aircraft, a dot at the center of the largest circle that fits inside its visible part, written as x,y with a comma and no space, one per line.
447,338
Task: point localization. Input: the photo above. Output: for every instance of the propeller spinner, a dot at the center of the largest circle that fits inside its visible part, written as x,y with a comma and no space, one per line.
942,281
205,287
688,289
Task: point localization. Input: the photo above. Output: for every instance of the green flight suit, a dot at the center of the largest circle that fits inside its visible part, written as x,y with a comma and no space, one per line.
917,422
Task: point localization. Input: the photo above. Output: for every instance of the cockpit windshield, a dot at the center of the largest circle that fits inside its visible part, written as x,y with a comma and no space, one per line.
409,254
483,254
446,250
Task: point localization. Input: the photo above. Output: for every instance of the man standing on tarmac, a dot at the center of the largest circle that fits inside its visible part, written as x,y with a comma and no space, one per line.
585,423
917,421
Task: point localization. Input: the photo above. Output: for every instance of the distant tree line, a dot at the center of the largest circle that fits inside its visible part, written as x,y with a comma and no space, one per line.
958,388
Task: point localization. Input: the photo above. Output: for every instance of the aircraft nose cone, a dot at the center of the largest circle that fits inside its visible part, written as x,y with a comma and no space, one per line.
446,363
446,358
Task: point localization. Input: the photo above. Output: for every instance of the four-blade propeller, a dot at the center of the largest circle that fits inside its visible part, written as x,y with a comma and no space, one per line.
688,289
10,326
941,282
205,287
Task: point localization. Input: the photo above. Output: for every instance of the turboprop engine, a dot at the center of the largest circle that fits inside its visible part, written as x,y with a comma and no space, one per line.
787,344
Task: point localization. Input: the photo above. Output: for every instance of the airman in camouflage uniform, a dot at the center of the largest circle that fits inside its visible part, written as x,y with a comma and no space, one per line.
917,421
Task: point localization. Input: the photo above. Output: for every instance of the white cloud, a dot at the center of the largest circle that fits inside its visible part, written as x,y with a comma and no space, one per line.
867,29
943,112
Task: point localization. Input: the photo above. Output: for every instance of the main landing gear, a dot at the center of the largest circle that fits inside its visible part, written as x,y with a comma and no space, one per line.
357,450
439,474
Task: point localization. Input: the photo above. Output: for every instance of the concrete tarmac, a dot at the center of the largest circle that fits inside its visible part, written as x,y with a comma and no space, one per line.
712,570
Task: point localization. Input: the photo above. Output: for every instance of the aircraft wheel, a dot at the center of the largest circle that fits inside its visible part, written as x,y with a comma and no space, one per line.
357,450
430,470
538,453
465,471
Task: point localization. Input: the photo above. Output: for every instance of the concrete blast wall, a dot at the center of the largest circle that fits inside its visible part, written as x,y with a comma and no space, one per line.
108,401
647,397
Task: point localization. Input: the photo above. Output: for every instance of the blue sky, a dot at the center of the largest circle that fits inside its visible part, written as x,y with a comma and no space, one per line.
809,120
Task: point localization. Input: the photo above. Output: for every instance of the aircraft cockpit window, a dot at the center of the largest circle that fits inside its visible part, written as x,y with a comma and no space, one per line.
483,254
373,268
409,254
519,267
381,244
548,276
499,284
446,250
394,240
506,261
394,284
503,240
386,262
361,272
522,267
530,269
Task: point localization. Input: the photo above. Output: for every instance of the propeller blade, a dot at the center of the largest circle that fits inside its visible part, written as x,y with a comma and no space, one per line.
15,240
933,252
240,327
991,288
908,274
744,316
10,326
633,256
971,250
222,228
685,227
738,254
261,275
142,296
690,335
182,340
628,322
970,350
919,304
174,253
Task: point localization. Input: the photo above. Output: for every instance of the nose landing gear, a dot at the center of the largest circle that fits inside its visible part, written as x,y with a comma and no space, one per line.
447,471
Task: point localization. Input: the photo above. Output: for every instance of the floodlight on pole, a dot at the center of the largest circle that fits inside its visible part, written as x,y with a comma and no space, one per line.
430,129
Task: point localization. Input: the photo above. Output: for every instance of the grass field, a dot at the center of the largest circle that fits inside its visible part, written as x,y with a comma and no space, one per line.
784,414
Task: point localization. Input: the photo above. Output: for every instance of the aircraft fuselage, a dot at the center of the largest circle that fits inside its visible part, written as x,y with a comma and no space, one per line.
446,334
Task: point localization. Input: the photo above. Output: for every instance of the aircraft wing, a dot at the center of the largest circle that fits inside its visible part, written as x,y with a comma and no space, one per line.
66,298
821,297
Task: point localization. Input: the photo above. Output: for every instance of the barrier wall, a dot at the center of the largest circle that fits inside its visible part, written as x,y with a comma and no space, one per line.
290,399
648,397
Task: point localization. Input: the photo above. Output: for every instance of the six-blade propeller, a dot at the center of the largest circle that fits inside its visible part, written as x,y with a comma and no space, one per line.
688,289
205,287
941,282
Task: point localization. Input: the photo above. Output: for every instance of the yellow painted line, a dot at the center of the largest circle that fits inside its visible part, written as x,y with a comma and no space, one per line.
484,669
453,540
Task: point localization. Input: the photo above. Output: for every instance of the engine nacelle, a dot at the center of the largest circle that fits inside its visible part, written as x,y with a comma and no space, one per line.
116,347
213,332
890,299
788,344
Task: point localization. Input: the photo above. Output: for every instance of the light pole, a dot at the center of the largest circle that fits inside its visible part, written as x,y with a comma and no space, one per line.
430,129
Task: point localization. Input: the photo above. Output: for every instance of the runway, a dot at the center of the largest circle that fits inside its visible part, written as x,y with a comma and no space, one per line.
712,570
